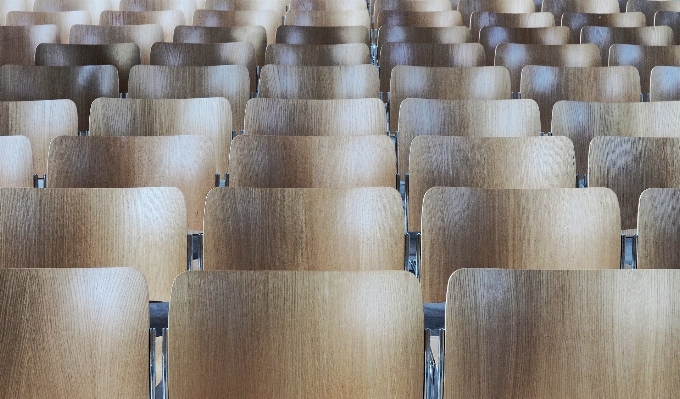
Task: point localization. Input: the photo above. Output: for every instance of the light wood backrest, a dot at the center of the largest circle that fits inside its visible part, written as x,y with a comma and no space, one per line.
57,324
644,58
478,20
664,83
63,19
312,331
293,34
319,82
143,228
318,54
411,5
22,40
323,5
81,84
559,7
247,5
186,7
469,118
142,35
312,161
605,36
467,7
427,55
228,81
629,165
555,228
577,20
345,117
669,18
420,34
316,229
551,333
94,7
7,6
121,55
16,162
491,36
186,162
649,8
474,83
658,229
516,56
168,20
255,35
209,117
548,84
328,18
268,19
486,162
433,19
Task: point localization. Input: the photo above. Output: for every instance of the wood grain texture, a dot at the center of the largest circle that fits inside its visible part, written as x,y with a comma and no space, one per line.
94,7
644,58
433,19
556,228
605,36
40,122
304,229
209,117
323,5
491,36
255,35
7,6
547,85
420,34
319,82
168,20
143,228
581,121
664,83
469,118
474,83
658,229
312,161
515,56
486,162
293,34
185,162
142,35
64,20
23,40
559,7
268,19
16,161
409,5
186,7
669,18
81,84
467,7
228,81
561,333
283,117
577,20
312,332
480,19
649,8
427,55
247,5
328,18
121,55
318,54
629,165
74,333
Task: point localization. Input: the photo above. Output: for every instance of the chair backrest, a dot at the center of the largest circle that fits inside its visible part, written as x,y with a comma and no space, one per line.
575,21
168,20
550,333
548,84
433,19
186,7
312,161
142,35
323,5
247,5
345,117
408,5
469,118
228,81
317,229
255,35
467,7
474,83
644,58
312,331
209,117
57,324
605,36
23,40
649,8
40,122
144,228
7,6
268,19
319,82
318,54
186,162
94,7
629,165
658,232
478,20
81,84
63,19
294,34
516,56
664,83
669,18
420,34
491,36
559,7
486,162
466,227
121,55
328,18
16,162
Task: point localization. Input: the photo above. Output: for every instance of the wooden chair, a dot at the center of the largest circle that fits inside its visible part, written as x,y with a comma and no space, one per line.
255,35
143,36
268,19
550,333
559,7
168,20
475,83
575,21
319,82
121,55
468,118
332,334
491,36
323,5
247,5
419,34
478,20
81,84
328,18
516,56
658,229
664,83
94,7
209,117
669,18
318,54
16,162
467,7
283,117
186,7
57,324
432,19
547,85
228,81
553,228
22,40
7,6
605,36
486,162
649,8
293,34
644,58
312,161
317,229
63,19
408,5
185,162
